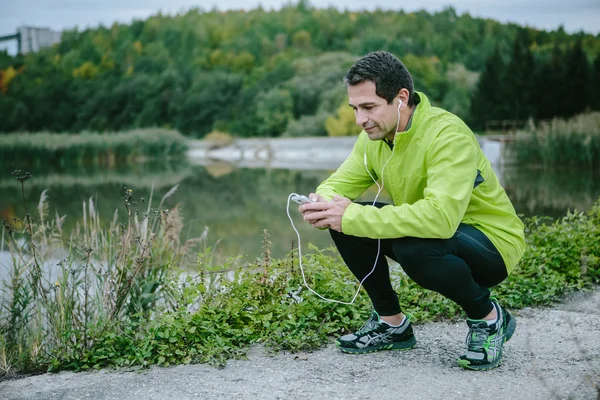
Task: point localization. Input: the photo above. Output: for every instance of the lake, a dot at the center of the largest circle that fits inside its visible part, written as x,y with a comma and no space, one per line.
237,201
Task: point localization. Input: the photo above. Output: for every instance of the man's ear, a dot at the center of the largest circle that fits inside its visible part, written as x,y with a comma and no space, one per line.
403,95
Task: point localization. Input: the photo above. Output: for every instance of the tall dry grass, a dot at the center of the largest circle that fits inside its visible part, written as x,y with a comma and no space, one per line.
39,149
572,142
63,290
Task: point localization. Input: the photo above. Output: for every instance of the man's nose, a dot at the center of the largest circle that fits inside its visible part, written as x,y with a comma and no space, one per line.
361,118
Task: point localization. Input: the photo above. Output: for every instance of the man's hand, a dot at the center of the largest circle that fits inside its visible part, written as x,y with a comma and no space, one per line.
323,214
316,199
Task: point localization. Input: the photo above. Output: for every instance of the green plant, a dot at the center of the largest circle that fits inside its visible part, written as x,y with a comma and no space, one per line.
561,142
561,256
122,297
37,149
50,312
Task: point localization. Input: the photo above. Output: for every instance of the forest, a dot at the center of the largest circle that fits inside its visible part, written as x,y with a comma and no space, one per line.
279,73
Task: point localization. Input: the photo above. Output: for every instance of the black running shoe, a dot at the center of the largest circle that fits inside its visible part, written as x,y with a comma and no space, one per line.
376,335
484,342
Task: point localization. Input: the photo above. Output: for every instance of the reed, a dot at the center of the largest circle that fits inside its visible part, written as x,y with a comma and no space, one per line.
64,290
111,296
41,149
559,142
139,175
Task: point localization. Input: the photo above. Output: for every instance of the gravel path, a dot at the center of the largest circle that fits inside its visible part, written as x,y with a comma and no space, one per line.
554,354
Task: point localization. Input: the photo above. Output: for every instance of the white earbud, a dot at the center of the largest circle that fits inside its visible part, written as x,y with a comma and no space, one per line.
399,104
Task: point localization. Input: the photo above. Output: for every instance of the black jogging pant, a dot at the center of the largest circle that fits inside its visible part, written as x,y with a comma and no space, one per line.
461,268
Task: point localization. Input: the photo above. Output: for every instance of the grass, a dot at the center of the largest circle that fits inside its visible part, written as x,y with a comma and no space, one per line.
119,296
66,289
140,175
558,143
40,149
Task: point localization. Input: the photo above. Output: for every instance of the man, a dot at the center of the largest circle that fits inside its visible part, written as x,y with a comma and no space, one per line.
452,227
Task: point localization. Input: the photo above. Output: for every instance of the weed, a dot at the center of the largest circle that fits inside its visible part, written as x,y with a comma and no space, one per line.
41,149
65,291
119,296
561,143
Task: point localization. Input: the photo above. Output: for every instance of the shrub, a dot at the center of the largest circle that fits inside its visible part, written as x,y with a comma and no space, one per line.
120,296
561,142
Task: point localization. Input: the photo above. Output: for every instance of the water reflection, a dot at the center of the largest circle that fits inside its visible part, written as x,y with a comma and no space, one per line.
550,193
238,203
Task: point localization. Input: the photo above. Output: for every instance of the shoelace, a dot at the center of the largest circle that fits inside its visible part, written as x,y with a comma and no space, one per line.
481,335
369,326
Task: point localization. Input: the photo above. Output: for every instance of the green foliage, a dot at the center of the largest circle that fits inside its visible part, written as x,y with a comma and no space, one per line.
561,256
461,83
51,313
545,95
273,112
307,125
537,83
90,148
124,295
578,68
214,313
562,142
486,101
517,82
200,71
595,94
343,123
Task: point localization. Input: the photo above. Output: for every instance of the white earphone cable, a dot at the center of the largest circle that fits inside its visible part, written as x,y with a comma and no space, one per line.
380,188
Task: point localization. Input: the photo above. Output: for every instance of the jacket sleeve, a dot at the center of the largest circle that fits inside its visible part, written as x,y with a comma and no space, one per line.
451,168
351,179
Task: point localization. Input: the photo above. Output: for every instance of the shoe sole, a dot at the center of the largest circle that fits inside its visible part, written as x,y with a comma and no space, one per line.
485,367
409,344
510,330
511,327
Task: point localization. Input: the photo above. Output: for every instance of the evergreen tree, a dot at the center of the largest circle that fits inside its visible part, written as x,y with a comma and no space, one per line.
487,99
551,86
579,81
518,82
595,97
206,70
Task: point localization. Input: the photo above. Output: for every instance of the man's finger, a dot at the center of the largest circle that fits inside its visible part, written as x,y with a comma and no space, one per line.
322,223
318,206
315,215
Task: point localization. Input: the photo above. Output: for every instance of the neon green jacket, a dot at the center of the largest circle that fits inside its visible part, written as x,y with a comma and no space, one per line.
434,180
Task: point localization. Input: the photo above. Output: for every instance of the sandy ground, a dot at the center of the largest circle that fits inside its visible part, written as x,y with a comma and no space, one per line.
554,354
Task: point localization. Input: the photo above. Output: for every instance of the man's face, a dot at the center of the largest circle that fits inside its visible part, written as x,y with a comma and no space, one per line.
378,118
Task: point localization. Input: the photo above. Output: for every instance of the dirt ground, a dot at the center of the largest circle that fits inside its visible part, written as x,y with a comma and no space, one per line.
554,354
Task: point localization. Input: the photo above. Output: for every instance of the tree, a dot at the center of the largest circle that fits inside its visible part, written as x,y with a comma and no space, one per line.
579,81
343,123
274,111
461,83
551,86
595,99
208,100
486,102
222,65
517,84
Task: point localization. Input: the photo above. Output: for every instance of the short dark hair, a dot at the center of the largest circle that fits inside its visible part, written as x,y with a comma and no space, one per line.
386,71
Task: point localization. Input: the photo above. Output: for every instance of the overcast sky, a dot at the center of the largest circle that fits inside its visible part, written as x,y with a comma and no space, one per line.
574,15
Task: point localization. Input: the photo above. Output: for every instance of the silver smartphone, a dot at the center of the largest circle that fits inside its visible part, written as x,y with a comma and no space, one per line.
300,199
